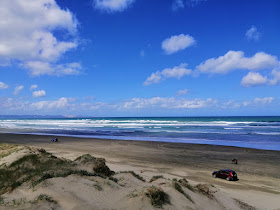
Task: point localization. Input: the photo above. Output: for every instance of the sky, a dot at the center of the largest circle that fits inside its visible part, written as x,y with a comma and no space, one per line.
112,58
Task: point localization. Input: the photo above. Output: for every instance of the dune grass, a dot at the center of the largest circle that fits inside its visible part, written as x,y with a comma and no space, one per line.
179,188
157,196
7,149
44,197
154,178
135,175
37,167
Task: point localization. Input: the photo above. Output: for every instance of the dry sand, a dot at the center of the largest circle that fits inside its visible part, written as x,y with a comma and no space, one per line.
258,172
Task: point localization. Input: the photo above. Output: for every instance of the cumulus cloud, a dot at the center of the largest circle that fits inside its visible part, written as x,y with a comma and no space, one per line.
39,93
37,68
265,100
253,79
32,87
231,104
253,34
177,43
234,60
70,106
112,5
18,89
27,31
3,85
58,104
275,77
259,101
170,103
182,92
175,72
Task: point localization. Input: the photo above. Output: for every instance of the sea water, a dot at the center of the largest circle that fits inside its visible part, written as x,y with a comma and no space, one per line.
252,132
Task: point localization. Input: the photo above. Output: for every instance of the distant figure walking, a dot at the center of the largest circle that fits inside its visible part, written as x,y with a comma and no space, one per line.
234,161
54,140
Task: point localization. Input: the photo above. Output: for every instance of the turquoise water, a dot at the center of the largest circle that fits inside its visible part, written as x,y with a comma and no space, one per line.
252,132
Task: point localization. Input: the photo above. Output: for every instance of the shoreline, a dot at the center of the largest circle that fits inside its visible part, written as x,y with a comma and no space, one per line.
151,139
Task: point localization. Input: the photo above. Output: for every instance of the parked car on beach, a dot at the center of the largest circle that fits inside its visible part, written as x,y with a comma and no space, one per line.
227,174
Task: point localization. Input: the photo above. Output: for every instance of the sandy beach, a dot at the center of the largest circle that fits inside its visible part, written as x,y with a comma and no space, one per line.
258,170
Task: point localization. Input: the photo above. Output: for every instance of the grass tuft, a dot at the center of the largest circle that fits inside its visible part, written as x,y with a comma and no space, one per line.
179,188
154,178
186,184
157,196
135,175
44,197
204,189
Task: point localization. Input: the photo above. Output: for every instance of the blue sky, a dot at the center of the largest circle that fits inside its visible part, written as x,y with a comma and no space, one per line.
139,57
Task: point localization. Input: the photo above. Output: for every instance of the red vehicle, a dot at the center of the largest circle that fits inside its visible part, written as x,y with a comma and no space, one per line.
225,174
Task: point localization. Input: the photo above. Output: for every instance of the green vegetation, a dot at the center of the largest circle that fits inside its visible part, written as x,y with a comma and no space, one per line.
154,178
179,188
113,179
157,196
7,149
98,187
44,197
99,164
186,184
135,175
204,189
40,166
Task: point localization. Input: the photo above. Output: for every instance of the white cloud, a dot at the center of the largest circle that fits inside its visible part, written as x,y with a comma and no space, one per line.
38,68
231,104
265,100
253,79
142,53
175,72
234,60
182,92
276,77
259,101
39,93
18,89
177,43
72,106
27,31
181,4
177,4
3,85
32,87
58,104
170,103
112,5
253,34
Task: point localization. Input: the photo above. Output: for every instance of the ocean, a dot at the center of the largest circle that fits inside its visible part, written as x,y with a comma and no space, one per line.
251,132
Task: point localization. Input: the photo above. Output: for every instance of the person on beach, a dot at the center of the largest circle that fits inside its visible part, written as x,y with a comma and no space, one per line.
234,161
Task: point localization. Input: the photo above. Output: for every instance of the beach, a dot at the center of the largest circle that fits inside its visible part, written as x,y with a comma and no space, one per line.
258,170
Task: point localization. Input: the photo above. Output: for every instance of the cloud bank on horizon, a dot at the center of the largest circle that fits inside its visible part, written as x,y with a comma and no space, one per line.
43,45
